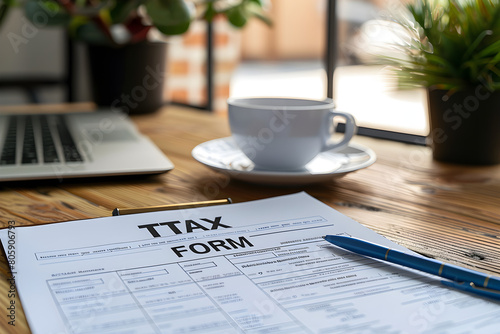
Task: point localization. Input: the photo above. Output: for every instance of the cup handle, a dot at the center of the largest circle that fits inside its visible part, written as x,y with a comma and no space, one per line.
350,130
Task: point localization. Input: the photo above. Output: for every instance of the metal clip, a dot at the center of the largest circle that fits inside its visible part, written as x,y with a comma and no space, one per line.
472,288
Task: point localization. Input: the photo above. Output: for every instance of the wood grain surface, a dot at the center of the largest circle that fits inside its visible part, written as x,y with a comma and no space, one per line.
447,212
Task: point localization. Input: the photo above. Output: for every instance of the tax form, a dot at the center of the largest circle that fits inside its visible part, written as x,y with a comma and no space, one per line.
256,267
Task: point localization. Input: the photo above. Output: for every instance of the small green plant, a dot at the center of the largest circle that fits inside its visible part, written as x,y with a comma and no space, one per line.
116,22
448,44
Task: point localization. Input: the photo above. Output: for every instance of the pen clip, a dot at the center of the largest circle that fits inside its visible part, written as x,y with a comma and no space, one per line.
471,287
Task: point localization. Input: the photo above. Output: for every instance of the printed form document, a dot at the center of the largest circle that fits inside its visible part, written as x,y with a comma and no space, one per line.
255,267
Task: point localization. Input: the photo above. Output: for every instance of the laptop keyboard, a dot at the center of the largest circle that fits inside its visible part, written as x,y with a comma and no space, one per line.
35,139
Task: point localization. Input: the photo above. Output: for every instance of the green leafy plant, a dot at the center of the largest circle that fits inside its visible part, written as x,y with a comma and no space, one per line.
118,22
448,44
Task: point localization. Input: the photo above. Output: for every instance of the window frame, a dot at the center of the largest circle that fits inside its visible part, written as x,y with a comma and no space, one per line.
330,65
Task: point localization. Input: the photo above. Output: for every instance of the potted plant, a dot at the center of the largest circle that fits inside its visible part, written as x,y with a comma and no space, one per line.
126,68
452,48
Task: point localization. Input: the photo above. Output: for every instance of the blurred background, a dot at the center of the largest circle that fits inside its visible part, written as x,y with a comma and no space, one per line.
285,59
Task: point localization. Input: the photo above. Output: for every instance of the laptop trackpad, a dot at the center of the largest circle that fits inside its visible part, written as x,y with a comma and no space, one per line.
117,134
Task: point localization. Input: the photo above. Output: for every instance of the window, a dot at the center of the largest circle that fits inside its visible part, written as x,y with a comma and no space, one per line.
288,60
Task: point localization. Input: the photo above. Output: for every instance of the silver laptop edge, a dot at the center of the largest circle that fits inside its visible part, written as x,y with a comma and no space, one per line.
108,143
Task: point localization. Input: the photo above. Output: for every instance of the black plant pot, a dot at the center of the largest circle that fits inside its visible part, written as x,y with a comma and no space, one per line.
130,78
465,126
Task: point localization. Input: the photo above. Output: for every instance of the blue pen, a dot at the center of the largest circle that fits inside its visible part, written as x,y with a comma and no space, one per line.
464,279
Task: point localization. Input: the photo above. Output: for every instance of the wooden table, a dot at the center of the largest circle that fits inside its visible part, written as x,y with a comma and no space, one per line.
447,212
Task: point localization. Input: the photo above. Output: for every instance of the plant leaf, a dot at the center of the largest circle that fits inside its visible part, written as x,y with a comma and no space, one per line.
238,15
171,17
454,43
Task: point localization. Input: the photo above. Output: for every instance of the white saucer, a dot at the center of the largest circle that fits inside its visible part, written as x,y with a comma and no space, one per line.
224,156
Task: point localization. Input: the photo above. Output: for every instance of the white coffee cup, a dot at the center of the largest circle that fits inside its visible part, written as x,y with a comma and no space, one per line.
284,134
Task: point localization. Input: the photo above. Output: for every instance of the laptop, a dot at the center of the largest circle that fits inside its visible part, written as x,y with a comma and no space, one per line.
75,145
